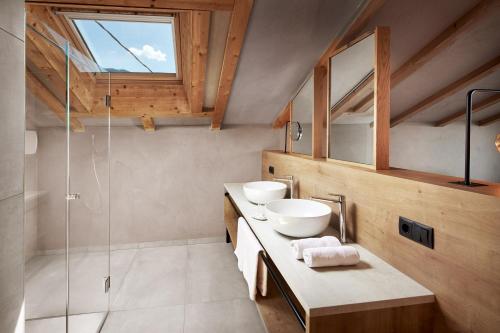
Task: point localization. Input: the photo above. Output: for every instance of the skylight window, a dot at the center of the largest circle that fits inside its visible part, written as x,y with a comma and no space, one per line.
129,46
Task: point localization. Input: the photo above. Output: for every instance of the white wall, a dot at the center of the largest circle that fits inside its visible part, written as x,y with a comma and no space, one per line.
166,185
441,149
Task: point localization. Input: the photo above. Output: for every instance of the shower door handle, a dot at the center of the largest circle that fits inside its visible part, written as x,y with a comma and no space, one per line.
72,196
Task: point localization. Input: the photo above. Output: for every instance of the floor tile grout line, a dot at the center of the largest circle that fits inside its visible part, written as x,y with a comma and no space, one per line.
129,268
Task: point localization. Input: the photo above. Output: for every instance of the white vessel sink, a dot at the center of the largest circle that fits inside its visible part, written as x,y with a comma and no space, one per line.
264,191
298,217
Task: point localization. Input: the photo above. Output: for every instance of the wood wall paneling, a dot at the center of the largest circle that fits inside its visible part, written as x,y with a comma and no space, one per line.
462,270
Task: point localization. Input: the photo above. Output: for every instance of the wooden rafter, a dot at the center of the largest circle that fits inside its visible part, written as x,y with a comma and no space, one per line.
151,99
352,99
449,90
283,117
489,120
477,107
148,124
354,29
364,105
45,95
194,29
237,28
441,42
149,5
81,85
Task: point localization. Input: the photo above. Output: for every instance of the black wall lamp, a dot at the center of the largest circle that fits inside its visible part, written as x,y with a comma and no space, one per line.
468,124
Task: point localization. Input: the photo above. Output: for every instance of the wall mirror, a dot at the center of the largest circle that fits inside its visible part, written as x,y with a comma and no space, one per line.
358,114
302,116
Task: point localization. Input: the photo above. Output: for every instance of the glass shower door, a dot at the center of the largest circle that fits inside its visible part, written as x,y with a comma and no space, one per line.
88,204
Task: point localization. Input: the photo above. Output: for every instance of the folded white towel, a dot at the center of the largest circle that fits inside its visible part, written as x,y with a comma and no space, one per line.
300,245
331,256
247,251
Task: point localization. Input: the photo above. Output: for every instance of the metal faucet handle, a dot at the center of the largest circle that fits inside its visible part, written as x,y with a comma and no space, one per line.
340,197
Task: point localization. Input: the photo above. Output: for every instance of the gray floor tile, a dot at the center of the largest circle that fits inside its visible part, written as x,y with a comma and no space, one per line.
157,320
157,277
238,315
213,274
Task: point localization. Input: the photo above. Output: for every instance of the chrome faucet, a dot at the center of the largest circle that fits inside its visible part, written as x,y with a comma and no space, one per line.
340,200
289,180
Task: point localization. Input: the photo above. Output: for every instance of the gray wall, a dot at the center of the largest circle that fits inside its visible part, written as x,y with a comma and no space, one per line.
441,149
11,165
166,185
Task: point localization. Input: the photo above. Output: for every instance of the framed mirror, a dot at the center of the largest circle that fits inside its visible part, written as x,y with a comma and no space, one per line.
302,108
358,117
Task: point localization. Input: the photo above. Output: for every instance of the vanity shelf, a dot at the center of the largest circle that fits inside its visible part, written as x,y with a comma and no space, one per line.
367,297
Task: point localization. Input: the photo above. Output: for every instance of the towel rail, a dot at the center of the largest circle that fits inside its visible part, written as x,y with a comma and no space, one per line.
283,292
270,269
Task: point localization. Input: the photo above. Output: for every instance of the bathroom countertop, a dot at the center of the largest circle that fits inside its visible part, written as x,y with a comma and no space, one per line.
370,285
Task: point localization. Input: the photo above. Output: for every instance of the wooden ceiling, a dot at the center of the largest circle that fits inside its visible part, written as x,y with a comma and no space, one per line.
141,96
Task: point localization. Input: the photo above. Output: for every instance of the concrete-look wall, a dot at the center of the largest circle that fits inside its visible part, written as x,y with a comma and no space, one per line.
166,185
440,150
11,165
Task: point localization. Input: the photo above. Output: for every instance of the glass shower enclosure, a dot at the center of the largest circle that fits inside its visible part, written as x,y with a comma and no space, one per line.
68,271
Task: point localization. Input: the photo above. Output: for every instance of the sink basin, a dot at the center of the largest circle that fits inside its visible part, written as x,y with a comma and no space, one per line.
264,191
298,217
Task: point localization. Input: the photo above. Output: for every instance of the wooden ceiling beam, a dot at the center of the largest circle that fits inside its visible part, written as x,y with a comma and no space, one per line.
152,99
53,103
148,123
194,30
283,117
364,105
351,99
477,107
81,88
449,90
201,29
150,5
237,28
441,42
490,120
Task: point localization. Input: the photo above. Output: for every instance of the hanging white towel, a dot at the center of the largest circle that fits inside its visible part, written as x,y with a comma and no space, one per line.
247,251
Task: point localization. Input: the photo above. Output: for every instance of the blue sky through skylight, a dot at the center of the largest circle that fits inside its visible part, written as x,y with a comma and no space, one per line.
151,42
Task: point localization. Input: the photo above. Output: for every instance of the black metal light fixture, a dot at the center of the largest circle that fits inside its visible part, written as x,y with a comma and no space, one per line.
468,124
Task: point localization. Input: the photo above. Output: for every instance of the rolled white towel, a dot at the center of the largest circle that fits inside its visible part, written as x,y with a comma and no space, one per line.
299,245
331,256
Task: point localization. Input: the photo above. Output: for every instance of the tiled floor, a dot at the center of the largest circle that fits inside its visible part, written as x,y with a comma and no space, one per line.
186,288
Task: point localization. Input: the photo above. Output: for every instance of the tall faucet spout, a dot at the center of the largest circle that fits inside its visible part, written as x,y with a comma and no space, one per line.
340,200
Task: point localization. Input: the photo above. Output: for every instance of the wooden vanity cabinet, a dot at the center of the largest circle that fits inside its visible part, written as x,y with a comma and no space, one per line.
278,316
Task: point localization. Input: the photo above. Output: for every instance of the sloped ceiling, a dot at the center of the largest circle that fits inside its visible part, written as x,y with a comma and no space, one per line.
414,24
284,40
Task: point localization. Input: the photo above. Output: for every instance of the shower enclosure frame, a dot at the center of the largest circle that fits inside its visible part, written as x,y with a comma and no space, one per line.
75,61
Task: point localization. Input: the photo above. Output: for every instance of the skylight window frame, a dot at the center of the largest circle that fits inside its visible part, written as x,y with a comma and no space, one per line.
171,18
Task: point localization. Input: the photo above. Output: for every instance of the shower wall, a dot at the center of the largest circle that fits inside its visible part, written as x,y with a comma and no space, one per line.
11,166
165,185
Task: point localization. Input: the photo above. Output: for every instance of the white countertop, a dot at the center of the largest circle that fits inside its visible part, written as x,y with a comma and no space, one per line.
372,284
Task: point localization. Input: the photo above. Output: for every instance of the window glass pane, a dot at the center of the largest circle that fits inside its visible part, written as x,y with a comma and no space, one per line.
151,45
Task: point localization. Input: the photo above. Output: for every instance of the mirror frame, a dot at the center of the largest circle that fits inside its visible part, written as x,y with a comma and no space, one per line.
289,138
381,96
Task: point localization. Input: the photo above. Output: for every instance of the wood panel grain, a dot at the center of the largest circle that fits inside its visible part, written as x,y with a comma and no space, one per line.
462,270
382,97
